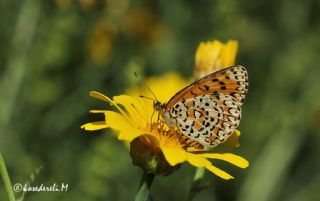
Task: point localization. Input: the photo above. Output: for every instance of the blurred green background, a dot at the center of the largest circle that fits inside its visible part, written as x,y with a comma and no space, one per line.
52,53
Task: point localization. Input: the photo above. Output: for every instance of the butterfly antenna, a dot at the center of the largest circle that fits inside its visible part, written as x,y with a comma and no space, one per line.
146,86
141,96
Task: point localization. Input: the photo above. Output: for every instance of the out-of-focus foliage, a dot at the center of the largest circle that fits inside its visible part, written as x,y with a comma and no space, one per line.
52,53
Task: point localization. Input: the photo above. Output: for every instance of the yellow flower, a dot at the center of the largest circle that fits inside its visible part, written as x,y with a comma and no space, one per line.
155,147
213,56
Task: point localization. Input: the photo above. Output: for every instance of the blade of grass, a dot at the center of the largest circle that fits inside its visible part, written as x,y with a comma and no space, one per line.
6,179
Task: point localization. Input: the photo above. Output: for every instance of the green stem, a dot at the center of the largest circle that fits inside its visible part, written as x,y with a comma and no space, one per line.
6,180
144,189
195,186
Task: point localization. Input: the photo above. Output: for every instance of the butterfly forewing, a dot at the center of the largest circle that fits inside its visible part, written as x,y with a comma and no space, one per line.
232,81
209,109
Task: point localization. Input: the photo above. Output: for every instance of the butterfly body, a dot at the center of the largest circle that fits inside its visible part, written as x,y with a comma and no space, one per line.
208,110
167,117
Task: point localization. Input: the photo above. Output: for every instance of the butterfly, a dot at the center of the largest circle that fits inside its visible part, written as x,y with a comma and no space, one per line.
208,110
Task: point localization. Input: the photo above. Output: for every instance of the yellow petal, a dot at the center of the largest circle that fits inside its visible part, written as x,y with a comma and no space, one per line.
99,96
231,158
233,140
129,135
219,172
93,126
229,52
137,108
116,121
105,98
174,156
197,160
207,54
127,131
97,111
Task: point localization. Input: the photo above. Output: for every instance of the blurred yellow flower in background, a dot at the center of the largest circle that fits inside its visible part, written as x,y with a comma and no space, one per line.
101,42
213,56
87,5
62,3
155,147
142,24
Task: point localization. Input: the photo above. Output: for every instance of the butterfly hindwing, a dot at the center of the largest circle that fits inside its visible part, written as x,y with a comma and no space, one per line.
209,119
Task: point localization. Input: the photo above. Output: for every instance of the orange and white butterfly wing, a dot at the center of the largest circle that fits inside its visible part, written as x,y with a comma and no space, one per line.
211,120
232,81
209,109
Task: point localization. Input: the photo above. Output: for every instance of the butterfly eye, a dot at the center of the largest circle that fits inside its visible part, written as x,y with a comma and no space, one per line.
157,106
